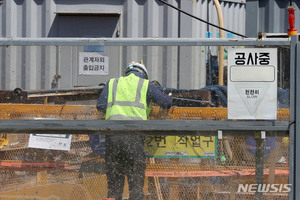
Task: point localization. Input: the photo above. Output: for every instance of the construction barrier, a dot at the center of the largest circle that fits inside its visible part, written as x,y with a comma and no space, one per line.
79,173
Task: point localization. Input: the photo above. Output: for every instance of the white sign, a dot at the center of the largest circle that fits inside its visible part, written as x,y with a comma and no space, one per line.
252,83
93,63
50,141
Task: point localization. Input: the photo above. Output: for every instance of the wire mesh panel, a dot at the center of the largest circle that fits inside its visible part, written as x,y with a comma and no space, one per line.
179,165
30,173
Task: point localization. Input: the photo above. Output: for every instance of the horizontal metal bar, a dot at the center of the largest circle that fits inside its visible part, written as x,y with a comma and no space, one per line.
79,89
144,42
147,127
235,1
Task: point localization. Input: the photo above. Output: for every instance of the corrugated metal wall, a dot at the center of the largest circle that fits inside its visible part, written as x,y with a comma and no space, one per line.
269,16
182,67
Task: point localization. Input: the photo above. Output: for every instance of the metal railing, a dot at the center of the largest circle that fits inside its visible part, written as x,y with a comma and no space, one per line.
261,129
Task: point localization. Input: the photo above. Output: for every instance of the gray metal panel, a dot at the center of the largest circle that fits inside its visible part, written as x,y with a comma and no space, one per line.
169,64
34,67
72,25
187,57
2,10
252,18
270,16
233,16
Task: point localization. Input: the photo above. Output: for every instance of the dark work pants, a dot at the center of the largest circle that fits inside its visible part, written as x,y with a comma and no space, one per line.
125,156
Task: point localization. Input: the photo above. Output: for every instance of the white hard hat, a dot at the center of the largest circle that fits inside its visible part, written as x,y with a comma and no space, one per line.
135,66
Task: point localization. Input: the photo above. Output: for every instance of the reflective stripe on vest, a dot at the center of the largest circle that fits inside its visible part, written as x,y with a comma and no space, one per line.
127,103
123,110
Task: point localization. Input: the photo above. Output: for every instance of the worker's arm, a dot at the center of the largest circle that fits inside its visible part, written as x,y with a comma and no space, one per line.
158,97
102,100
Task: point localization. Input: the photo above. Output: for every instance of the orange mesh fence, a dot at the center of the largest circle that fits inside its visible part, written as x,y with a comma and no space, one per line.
30,173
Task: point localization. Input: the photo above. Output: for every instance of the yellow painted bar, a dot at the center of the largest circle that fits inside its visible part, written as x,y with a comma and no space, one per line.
31,111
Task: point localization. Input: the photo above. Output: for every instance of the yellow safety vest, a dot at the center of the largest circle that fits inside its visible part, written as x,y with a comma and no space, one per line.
127,98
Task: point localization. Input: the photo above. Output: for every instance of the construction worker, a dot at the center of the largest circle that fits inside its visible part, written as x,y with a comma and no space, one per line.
127,98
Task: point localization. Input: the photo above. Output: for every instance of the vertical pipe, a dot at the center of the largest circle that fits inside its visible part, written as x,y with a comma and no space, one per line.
221,67
221,48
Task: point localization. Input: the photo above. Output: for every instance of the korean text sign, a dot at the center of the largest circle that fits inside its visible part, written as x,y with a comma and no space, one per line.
93,63
252,83
181,146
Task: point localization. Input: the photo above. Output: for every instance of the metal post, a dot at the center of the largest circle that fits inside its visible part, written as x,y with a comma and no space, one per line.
293,116
294,120
259,165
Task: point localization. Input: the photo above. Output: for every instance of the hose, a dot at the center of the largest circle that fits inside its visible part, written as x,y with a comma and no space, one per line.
221,48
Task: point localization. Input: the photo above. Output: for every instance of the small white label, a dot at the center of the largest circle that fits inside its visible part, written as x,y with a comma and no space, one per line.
93,63
50,141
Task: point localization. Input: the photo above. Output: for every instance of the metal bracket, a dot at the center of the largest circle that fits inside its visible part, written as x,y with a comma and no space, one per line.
263,134
220,135
260,135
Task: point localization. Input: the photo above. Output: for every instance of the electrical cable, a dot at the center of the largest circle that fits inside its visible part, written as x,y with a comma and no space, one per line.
216,26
